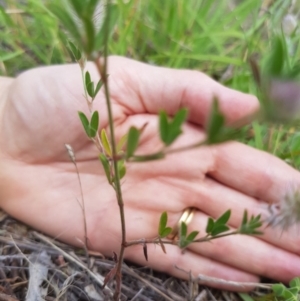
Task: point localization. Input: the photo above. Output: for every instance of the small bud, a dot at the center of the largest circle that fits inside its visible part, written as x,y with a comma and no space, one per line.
282,101
287,213
71,152
289,24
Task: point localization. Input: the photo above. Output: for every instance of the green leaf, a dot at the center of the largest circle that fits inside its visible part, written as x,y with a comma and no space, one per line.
224,218
295,283
183,230
210,225
167,231
66,20
294,291
170,130
105,143
106,167
94,124
10,55
162,223
245,297
112,14
176,124
192,236
163,230
98,87
249,227
163,127
215,124
7,18
275,63
245,218
85,123
218,229
122,142
90,89
79,7
286,294
121,169
132,141
75,51
87,78
179,118
91,7
90,34
89,85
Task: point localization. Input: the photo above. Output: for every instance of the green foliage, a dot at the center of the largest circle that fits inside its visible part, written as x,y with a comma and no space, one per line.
94,124
218,226
85,123
170,129
163,230
78,20
215,124
90,127
108,25
106,143
275,63
282,293
90,86
250,226
132,141
105,163
184,239
75,51
121,168
216,130
245,297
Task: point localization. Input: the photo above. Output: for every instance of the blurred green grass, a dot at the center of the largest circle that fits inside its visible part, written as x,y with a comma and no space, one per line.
214,36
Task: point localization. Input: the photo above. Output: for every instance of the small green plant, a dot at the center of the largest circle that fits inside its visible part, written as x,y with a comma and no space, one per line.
90,42
291,293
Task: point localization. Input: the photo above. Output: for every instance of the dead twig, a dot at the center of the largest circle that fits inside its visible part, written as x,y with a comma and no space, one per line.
75,261
4,297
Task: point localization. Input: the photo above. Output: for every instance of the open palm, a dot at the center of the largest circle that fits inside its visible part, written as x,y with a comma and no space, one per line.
39,185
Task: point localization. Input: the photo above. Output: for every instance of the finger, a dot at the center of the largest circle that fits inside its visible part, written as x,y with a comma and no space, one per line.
253,172
214,199
140,88
247,253
5,83
179,265
169,89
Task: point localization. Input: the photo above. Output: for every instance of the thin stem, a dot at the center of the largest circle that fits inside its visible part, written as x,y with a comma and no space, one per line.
102,69
96,140
85,90
185,148
175,241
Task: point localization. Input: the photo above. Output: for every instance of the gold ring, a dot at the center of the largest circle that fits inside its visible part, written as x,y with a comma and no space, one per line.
186,218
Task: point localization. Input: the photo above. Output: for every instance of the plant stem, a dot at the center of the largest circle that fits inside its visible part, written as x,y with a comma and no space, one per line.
175,242
102,69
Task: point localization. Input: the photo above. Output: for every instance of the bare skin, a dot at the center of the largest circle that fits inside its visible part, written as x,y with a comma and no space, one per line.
38,183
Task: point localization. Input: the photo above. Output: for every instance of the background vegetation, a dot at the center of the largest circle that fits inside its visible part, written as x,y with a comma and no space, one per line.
214,36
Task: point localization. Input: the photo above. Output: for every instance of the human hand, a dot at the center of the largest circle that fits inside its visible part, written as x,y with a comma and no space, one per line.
39,186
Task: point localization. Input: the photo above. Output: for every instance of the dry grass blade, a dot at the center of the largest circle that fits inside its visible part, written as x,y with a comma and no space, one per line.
131,272
72,259
4,297
38,271
240,285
